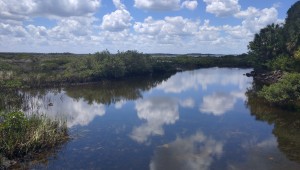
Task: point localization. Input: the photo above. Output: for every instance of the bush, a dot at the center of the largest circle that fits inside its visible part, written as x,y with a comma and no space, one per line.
281,62
286,90
20,134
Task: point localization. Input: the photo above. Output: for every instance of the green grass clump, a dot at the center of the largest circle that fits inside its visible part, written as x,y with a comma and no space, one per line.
21,134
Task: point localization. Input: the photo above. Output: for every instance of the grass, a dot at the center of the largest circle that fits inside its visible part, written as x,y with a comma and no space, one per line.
21,135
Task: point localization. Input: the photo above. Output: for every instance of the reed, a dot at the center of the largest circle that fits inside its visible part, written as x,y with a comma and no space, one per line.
21,134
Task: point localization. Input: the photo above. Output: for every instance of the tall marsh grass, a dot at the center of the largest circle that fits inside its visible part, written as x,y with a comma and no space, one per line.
21,135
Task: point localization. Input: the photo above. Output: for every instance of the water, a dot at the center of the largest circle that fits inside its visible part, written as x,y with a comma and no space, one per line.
201,119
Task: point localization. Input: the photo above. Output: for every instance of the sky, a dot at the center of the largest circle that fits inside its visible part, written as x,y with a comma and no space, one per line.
149,26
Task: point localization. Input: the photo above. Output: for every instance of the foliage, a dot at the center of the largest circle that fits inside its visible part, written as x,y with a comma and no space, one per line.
287,90
268,43
21,135
275,41
282,62
292,27
36,70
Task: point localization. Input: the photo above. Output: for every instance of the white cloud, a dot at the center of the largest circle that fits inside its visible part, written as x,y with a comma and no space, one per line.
191,5
169,26
118,4
17,10
157,111
195,152
254,21
160,5
170,31
118,20
14,31
222,8
74,24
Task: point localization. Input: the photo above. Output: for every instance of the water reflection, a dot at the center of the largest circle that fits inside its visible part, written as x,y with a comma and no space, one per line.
155,123
115,91
204,78
157,111
263,155
195,152
286,123
76,111
219,103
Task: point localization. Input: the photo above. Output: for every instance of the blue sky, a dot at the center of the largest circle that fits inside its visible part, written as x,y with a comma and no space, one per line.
150,26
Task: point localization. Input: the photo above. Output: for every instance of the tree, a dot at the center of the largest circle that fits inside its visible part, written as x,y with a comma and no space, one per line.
292,28
268,44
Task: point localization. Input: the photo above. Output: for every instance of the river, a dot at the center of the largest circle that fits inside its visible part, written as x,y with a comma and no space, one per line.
201,119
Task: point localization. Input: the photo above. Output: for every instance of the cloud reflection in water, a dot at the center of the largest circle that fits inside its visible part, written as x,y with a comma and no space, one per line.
219,103
193,153
77,112
205,77
157,111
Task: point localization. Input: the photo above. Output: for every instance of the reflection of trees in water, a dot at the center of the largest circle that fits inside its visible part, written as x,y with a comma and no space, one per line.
286,124
105,92
108,92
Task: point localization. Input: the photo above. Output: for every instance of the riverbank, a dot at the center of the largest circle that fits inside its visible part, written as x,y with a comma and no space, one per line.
23,136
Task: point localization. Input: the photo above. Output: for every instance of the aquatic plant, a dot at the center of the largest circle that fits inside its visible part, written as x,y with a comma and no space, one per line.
21,134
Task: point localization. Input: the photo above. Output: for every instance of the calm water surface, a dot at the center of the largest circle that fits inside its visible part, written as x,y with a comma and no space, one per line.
200,119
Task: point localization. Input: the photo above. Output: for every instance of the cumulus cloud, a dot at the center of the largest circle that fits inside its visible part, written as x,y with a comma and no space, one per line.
17,10
157,111
118,4
73,24
191,5
185,153
167,31
254,21
160,5
222,8
118,20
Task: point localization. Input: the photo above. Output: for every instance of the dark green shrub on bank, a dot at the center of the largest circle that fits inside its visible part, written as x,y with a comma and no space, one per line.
286,90
21,134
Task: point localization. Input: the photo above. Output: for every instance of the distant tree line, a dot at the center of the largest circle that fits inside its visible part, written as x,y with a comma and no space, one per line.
35,70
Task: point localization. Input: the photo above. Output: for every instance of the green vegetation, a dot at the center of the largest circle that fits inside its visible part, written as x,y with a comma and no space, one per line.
21,135
275,43
277,47
39,70
286,90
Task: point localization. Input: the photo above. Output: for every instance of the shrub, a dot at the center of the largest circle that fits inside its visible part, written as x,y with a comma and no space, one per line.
281,62
286,90
21,134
